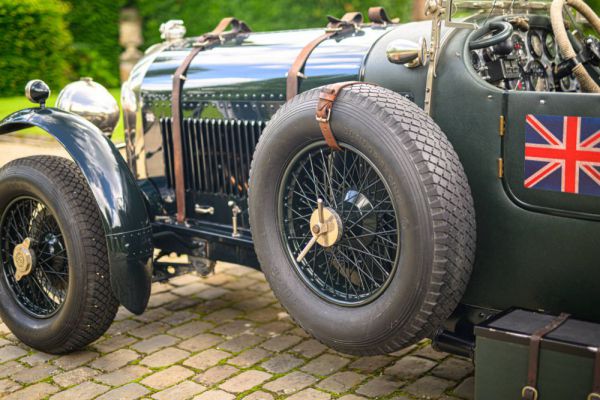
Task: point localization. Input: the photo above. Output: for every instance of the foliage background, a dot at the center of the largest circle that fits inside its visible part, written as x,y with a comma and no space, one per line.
62,40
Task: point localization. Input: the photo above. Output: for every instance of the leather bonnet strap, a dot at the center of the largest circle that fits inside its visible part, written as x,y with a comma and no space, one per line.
530,391
325,107
378,16
350,22
217,35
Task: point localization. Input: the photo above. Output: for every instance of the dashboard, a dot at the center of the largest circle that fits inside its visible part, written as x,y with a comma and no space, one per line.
526,61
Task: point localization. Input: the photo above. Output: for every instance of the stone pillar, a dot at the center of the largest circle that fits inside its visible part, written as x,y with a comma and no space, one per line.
130,37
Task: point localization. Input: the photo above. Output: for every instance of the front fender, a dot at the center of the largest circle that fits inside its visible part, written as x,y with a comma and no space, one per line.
124,216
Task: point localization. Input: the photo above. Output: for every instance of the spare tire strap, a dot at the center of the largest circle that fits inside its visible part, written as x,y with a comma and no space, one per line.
325,106
530,391
350,22
218,35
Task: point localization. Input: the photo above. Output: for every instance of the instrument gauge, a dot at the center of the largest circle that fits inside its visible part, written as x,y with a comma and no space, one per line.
536,47
550,46
537,77
519,45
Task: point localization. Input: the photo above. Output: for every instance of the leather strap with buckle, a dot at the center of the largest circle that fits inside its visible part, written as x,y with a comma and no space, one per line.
530,391
379,17
324,109
349,23
219,35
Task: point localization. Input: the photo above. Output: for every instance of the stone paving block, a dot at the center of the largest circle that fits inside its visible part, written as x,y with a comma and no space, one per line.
161,299
341,382
33,392
253,303
429,352
183,280
371,364
4,342
453,368
245,381
223,315
190,329
353,397
10,368
154,343
123,326
11,352
260,287
280,343
259,395
164,357
466,389
179,317
115,360
215,395
281,363
38,358
182,391
233,328
290,383
249,357
152,315
238,270
239,284
240,343
404,351
206,359
263,315
410,367
183,303
159,287
310,394
8,386
273,328
123,375
379,386
114,343
212,293
35,374
216,374
325,364
191,289
167,377
309,348
75,376
200,342
74,360
147,330
83,391
428,386
131,391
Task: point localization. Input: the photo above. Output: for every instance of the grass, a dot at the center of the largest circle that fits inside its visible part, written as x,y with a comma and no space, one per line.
8,105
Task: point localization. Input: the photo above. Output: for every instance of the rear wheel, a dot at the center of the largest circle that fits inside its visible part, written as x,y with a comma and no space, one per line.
369,248
55,290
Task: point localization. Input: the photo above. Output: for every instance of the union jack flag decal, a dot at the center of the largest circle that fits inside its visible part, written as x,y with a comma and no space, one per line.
562,154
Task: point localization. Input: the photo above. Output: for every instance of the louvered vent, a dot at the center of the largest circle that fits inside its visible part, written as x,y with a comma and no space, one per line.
217,154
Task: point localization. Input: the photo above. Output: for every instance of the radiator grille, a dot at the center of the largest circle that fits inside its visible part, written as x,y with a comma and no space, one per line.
217,154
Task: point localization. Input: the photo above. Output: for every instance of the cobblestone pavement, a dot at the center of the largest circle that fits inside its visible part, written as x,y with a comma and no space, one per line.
223,337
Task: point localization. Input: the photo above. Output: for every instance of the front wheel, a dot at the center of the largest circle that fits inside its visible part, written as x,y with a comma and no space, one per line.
369,248
55,292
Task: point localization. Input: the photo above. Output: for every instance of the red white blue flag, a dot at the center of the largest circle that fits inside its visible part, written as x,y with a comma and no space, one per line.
562,154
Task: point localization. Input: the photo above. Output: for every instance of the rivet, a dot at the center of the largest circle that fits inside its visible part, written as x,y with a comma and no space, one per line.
542,101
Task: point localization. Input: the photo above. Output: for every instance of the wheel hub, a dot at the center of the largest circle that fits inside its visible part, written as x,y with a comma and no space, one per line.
23,258
330,230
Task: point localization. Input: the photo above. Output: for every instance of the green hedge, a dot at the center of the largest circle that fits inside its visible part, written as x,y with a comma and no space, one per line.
34,42
202,15
94,25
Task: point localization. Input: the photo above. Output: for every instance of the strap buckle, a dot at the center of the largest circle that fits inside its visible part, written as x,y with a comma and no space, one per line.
327,116
593,396
527,389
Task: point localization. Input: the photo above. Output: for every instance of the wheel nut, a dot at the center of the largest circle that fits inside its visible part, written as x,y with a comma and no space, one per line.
316,229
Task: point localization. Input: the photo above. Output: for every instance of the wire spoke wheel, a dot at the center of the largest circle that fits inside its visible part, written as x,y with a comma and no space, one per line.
357,268
34,257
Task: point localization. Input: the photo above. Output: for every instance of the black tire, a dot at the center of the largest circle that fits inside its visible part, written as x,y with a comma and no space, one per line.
431,196
88,306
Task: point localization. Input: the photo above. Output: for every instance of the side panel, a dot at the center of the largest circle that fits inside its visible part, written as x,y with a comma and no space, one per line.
524,258
121,204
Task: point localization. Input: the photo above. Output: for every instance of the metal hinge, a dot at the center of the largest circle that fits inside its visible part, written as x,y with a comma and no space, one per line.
500,167
502,126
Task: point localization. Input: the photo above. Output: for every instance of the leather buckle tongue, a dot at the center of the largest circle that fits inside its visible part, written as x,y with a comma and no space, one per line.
529,393
327,115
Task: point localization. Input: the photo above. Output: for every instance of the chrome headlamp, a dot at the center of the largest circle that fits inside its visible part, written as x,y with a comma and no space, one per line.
91,101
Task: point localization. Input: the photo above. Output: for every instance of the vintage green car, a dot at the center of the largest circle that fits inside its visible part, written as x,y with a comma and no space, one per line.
394,181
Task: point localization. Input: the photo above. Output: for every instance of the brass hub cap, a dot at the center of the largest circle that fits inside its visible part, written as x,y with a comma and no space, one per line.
23,258
328,232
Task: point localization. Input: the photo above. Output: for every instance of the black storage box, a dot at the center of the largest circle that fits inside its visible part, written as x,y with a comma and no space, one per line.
566,358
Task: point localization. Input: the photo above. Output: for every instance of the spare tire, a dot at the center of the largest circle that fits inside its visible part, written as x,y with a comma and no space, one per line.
396,197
